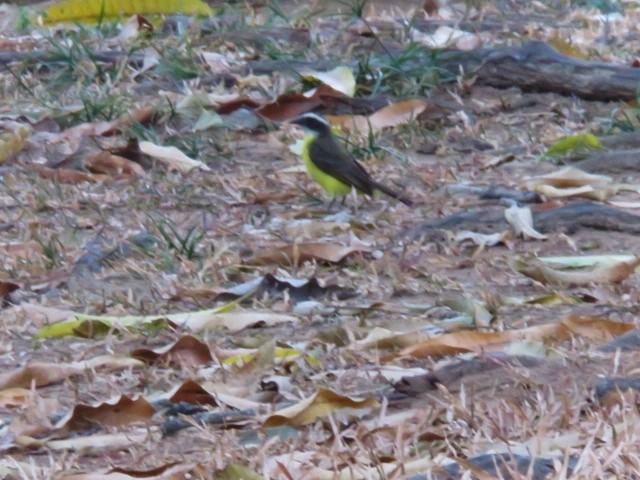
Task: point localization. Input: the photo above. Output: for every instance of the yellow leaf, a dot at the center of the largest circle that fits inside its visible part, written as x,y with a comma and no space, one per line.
67,323
13,137
574,142
340,79
95,9
235,471
318,405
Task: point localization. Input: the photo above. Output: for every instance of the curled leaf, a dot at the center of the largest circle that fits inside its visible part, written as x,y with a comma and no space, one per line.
603,274
317,405
340,79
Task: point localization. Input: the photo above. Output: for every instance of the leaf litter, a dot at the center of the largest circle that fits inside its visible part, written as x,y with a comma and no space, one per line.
177,300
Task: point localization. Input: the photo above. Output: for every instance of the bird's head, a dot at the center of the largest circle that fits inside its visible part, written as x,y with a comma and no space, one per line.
313,123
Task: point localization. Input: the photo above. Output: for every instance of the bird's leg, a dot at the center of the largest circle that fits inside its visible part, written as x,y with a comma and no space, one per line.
333,200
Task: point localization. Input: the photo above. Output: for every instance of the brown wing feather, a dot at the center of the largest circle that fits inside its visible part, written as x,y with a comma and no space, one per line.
331,158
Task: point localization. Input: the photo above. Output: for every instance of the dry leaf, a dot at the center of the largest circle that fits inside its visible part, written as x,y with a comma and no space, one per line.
187,352
299,253
15,397
113,165
235,321
609,273
6,289
193,393
573,182
118,413
320,404
179,471
521,220
29,250
474,341
99,443
13,137
291,105
446,36
133,27
174,158
64,175
340,79
484,239
383,338
38,374
390,116
596,328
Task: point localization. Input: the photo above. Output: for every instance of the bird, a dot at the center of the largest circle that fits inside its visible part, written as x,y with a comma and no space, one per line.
332,166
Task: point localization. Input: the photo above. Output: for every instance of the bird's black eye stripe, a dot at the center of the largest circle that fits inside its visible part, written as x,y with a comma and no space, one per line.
312,122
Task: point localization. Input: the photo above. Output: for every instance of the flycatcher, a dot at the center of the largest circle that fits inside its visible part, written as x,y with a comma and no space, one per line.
332,166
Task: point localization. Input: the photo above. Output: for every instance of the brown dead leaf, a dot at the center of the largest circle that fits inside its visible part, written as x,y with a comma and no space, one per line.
193,393
6,289
596,328
65,175
232,104
187,352
47,281
124,121
112,165
35,412
210,394
25,250
265,198
15,397
431,7
39,374
288,106
120,413
473,341
389,116
291,105
320,404
299,253
174,471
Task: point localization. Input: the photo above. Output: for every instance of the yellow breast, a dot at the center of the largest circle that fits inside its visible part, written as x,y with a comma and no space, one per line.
332,185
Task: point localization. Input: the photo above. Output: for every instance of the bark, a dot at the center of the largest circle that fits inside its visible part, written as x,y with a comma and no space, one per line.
538,67
568,218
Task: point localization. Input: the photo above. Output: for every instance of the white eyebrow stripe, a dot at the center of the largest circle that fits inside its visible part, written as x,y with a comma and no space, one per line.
316,117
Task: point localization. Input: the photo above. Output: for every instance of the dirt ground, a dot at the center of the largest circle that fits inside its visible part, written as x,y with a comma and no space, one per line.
420,354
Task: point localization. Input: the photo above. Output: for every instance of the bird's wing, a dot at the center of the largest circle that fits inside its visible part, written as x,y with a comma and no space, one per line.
335,161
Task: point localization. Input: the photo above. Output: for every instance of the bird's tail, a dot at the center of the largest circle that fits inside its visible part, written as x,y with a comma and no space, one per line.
392,193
